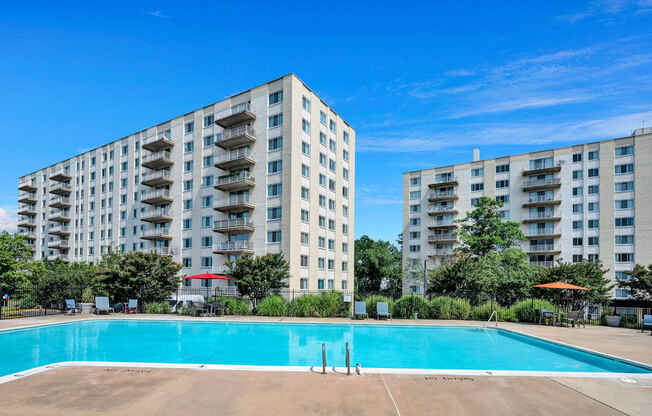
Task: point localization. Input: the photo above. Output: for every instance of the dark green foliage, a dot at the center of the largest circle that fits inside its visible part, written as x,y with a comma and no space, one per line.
332,305
377,264
324,305
408,305
371,301
232,306
587,274
305,306
157,307
272,305
257,276
14,255
444,307
640,282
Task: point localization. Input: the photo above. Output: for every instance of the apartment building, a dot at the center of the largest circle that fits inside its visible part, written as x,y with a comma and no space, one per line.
576,203
269,170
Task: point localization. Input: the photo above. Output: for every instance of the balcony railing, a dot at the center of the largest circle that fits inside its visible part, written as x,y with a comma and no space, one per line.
239,113
443,223
27,209
60,230
156,177
541,247
442,194
156,196
547,231
158,160
240,245
440,208
544,263
235,158
61,188
27,197
154,233
27,185
442,237
236,203
231,182
442,252
61,175
60,202
163,251
541,183
238,223
158,142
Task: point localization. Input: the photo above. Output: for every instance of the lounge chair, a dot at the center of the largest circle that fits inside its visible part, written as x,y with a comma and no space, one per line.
382,310
546,314
360,309
647,321
71,307
575,317
132,306
102,304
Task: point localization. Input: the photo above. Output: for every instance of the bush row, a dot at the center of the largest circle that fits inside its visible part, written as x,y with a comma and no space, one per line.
324,305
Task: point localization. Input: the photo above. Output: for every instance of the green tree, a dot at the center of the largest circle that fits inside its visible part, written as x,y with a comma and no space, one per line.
484,229
146,276
14,254
640,282
377,267
591,275
256,277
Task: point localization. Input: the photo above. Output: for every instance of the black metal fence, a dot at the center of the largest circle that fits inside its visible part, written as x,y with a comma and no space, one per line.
232,291
26,302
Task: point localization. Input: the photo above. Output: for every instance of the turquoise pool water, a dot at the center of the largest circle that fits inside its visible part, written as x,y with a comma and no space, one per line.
373,346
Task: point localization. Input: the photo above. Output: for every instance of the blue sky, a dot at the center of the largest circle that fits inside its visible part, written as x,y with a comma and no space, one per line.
422,83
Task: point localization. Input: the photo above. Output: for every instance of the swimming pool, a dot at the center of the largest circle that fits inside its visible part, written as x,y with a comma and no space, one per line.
294,344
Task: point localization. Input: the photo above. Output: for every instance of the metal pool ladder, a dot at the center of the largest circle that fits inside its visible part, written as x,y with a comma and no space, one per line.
494,313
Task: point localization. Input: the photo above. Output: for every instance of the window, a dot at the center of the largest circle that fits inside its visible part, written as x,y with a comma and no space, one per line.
345,192
187,185
206,263
594,206
276,120
578,208
304,260
415,195
274,166
624,186
207,181
578,191
322,221
474,201
273,236
305,193
208,141
320,283
331,145
207,201
276,97
345,174
623,276
577,241
345,210
542,163
502,168
594,241
594,189
273,213
578,175
209,120
322,159
624,204
187,204
415,248
305,215
331,165
624,239
502,198
594,224
345,137
504,183
331,185
305,126
305,104
304,238
477,172
321,242
207,221
187,243
594,155
345,247
331,264
322,118
577,157
188,147
331,225
415,181
189,128
624,169
577,225
303,284
274,190
187,223
345,155
275,144
187,263
577,258
593,172
625,222
624,151
208,161
322,139
305,148
624,257
305,171
476,187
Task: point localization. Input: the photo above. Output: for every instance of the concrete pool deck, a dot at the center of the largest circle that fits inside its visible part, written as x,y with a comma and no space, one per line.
99,390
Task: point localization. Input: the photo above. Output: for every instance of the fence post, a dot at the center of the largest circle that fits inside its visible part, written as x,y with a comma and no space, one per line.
323,358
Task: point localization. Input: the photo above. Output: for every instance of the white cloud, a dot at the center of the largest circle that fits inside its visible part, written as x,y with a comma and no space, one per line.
157,13
598,8
522,103
372,195
459,73
8,220
398,144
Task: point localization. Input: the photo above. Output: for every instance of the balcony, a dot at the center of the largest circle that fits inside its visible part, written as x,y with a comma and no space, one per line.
27,209
437,196
236,137
158,160
157,234
27,186
59,244
231,183
542,169
236,225
239,114
156,216
157,197
542,263
541,201
163,251
542,217
53,257
540,184
234,247
443,237
61,202
159,142
27,222
542,249
59,216
237,204
437,225
61,230
549,233
439,210
27,197
442,252
61,188
61,175
30,234
156,178
239,158
449,180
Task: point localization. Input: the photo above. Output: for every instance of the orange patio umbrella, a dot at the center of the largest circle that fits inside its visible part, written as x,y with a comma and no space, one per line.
561,285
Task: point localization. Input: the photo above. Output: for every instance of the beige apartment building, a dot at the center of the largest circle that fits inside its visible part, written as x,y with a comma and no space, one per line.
269,170
576,203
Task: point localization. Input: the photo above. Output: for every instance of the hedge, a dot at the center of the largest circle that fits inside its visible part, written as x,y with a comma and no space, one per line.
272,306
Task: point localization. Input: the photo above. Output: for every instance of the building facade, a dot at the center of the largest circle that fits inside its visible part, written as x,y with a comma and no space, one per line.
269,170
584,202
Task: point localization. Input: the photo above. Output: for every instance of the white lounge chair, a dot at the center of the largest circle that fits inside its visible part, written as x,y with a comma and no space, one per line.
360,309
132,306
71,307
382,310
647,321
102,304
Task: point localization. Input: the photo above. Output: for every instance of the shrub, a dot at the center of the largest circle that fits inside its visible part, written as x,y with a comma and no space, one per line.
157,307
408,305
87,296
528,310
304,306
232,306
371,304
444,307
331,304
272,305
483,312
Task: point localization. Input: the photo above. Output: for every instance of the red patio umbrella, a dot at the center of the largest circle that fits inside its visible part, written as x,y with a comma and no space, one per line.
208,276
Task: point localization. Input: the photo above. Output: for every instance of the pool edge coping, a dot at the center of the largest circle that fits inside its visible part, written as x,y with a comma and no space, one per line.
334,370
